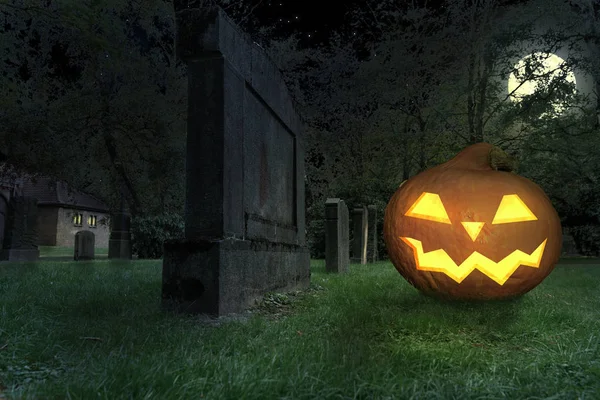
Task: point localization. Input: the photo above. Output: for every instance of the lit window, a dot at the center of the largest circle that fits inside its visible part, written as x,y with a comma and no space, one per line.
77,218
92,221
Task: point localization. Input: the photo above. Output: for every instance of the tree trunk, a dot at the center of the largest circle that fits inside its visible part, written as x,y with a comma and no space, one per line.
471,99
111,148
482,87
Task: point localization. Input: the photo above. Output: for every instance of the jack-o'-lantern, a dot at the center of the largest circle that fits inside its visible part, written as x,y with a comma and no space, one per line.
472,229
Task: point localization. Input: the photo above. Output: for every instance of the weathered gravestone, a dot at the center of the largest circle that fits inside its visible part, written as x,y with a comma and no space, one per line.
360,225
244,207
4,200
84,245
337,240
119,241
20,235
569,247
372,251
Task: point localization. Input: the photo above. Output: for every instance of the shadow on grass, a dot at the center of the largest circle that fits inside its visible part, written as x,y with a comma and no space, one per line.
85,290
356,302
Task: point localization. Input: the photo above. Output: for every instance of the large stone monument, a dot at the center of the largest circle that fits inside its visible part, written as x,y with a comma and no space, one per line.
20,235
337,240
244,202
360,225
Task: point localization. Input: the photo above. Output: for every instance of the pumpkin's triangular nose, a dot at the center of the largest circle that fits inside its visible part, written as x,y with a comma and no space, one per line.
473,228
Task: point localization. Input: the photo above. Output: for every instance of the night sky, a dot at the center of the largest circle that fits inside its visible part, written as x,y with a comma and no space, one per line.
307,17
315,20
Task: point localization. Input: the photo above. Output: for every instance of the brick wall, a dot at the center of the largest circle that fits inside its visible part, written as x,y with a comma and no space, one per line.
46,224
65,229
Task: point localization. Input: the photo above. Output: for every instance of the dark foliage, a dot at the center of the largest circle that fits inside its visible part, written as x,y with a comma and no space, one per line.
587,239
149,233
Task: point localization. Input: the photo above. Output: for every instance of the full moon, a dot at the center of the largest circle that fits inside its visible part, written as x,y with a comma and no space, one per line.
550,62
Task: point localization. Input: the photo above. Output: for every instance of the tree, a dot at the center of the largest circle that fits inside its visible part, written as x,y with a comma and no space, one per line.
97,116
555,152
410,63
93,94
588,21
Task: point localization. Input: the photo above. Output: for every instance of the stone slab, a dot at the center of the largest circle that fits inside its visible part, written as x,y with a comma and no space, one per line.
119,241
360,224
372,243
84,246
337,240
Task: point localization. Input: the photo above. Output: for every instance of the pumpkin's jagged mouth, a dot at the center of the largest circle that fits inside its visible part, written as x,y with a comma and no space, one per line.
440,261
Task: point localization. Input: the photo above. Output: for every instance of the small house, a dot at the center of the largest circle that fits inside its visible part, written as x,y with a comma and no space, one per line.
63,211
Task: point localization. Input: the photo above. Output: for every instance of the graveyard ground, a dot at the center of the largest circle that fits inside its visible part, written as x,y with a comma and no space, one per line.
95,330
58,251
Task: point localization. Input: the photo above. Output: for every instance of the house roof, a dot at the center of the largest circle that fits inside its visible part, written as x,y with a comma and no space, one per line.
49,192
57,193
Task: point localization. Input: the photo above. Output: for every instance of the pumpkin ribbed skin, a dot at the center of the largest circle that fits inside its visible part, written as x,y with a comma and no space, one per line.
471,191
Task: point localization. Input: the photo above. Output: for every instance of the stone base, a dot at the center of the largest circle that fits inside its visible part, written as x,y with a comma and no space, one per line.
20,254
119,248
227,276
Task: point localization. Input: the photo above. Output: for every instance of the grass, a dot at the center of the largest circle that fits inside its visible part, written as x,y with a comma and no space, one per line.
58,251
94,330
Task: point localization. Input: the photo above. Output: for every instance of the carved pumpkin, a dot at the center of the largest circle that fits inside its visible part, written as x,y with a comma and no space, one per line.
471,229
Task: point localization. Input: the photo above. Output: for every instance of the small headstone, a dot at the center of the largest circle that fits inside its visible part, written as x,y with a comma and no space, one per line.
4,199
569,248
372,251
337,240
119,241
84,245
21,236
361,230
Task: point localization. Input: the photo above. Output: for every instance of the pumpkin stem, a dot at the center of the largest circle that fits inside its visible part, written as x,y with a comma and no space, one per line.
500,161
482,156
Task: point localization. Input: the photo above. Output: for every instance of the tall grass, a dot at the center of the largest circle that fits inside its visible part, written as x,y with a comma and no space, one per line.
61,251
92,330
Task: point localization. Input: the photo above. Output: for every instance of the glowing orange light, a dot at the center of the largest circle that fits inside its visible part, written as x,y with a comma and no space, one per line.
512,209
473,228
440,261
429,206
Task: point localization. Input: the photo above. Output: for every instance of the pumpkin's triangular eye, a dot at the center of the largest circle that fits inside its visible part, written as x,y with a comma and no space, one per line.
429,206
512,209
